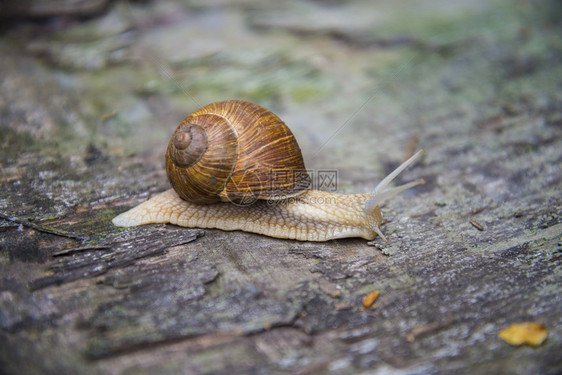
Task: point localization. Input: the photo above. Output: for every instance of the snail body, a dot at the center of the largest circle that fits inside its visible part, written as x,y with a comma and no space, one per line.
260,185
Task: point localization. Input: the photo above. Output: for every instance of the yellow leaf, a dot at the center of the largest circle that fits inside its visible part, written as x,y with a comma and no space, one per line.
524,333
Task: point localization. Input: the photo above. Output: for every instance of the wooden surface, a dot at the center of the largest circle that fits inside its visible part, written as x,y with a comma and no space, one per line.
475,249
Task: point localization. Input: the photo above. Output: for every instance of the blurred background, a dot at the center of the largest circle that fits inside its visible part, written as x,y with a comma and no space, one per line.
355,80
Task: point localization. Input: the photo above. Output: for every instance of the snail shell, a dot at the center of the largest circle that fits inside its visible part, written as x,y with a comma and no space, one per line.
234,151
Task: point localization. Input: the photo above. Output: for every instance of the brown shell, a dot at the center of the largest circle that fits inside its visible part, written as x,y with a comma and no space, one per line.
249,154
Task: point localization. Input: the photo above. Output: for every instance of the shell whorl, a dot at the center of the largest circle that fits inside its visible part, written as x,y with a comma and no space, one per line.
187,145
203,181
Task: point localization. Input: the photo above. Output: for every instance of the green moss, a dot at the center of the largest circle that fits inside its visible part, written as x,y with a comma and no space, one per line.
439,26
264,83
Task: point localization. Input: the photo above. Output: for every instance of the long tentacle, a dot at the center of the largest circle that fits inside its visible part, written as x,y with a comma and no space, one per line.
379,193
372,203
382,185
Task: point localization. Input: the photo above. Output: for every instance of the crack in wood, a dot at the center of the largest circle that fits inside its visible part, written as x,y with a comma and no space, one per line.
85,264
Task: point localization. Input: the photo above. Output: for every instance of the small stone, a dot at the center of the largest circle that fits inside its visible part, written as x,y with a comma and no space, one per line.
329,288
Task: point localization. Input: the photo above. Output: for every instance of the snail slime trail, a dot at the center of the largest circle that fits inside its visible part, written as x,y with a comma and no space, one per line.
229,153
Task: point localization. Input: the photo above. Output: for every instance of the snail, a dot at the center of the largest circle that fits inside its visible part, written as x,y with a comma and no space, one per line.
234,165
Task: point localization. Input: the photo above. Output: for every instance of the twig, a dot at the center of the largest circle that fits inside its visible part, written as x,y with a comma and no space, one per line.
43,229
425,329
476,225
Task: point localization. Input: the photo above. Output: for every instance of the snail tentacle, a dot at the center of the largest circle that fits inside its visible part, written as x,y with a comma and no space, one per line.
388,179
379,232
376,200
380,192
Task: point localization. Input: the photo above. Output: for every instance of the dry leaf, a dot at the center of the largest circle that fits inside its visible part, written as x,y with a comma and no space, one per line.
524,333
370,299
